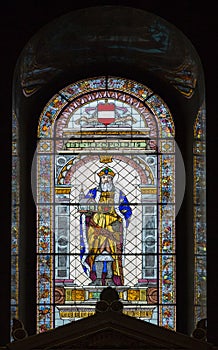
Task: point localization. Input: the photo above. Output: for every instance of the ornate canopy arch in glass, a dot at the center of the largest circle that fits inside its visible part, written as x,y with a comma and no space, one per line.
150,52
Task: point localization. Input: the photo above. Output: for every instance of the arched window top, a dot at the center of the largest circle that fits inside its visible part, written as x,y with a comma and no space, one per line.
148,107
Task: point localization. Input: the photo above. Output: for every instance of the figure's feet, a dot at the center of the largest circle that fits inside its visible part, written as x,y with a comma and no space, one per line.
96,282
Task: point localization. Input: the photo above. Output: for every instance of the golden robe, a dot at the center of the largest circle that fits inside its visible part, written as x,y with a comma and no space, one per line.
105,233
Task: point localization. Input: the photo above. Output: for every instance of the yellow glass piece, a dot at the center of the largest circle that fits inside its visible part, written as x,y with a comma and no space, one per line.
78,294
133,294
68,295
143,294
77,314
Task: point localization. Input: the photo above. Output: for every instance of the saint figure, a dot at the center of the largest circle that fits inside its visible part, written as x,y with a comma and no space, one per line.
105,213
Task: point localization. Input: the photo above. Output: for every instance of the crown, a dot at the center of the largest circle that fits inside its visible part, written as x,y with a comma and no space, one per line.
106,171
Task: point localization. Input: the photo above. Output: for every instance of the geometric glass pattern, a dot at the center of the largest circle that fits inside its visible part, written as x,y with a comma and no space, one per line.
15,208
105,198
199,215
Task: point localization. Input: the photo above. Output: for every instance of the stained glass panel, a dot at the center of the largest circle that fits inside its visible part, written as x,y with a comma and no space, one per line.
15,220
199,214
105,202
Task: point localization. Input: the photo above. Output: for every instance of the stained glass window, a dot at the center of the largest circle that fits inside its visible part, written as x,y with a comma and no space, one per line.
105,198
199,215
14,219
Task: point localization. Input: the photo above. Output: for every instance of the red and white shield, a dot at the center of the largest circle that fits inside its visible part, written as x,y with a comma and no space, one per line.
106,113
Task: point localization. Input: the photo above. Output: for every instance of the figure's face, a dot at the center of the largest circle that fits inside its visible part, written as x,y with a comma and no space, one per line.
106,179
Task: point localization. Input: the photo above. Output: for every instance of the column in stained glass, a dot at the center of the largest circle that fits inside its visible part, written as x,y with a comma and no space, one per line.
44,237
15,220
167,258
199,224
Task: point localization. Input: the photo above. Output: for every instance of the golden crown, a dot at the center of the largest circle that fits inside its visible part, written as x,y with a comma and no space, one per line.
106,171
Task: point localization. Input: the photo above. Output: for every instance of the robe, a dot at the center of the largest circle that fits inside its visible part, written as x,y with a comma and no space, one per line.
104,230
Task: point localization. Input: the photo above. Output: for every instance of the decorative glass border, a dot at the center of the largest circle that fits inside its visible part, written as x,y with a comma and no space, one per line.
15,220
199,217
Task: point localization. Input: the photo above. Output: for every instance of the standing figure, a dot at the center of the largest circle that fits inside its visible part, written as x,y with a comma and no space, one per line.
105,214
